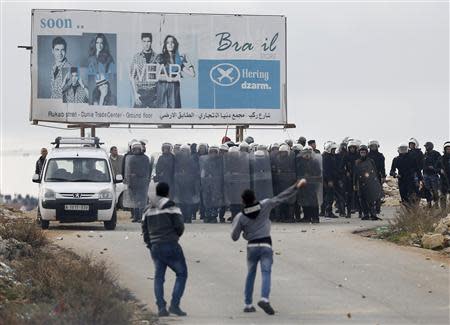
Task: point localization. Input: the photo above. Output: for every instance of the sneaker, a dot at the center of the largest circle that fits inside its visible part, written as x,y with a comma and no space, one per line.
163,312
266,307
177,311
249,309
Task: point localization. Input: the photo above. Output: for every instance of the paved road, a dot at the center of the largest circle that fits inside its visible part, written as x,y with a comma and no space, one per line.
322,274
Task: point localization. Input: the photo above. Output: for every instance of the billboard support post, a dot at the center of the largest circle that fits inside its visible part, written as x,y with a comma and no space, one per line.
240,132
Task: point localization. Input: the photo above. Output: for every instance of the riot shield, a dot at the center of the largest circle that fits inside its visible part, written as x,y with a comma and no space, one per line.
367,180
137,178
236,166
164,169
310,168
186,179
283,171
211,177
261,175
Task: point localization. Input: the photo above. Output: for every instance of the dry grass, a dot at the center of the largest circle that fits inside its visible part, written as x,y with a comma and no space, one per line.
417,220
24,230
56,286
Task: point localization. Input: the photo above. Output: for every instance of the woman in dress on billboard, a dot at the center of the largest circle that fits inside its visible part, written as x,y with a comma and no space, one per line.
100,60
174,66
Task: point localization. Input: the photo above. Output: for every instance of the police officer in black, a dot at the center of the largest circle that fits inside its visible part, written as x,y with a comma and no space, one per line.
340,186
330,177
431,161
404,168
347,165
444,170
379,160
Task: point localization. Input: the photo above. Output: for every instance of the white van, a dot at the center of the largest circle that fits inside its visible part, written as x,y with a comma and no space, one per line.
77,184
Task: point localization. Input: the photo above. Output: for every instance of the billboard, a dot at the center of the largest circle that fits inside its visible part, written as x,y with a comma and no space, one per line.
157,68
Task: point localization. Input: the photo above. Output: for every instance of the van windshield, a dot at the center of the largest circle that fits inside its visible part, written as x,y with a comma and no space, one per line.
77,170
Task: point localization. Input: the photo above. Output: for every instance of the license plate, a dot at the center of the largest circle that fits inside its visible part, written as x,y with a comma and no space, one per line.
76,207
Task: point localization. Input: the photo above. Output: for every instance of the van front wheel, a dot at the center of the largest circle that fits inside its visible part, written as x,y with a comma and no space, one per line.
111,224
45,224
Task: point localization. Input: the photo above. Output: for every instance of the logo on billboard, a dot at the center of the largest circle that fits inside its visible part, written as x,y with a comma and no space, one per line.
225,74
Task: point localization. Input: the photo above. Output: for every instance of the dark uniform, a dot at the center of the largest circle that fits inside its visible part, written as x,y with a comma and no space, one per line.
348,164
431,174
444,169
407,170
379,160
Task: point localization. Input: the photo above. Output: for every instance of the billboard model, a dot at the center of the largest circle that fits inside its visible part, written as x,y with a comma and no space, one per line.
157,68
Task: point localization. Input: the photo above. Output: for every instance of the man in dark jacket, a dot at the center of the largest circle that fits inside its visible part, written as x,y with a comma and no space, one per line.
40,161
254,223
162,226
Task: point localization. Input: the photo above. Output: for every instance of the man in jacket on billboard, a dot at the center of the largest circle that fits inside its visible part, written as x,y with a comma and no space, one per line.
143,74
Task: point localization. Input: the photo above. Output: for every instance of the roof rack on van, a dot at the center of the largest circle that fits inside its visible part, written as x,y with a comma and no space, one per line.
86,141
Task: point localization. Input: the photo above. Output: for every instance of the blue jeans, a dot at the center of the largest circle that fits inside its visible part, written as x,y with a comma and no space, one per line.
170,255
264,255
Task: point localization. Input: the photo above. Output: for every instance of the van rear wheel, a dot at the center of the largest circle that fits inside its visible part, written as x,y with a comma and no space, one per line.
111,224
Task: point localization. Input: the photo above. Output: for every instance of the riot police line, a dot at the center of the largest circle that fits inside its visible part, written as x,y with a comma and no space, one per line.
349,177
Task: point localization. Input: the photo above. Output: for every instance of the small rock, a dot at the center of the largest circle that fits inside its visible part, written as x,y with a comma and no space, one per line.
126,237
79,236
241,251
197,261
441,229
101,252
427,258
429,291
277,253
59,238
432,241
105,249
101,236
303,230
446,221
149,278
349,315
442,265
340,285
363,296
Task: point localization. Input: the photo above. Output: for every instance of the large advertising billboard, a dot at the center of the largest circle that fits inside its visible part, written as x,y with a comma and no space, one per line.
157,68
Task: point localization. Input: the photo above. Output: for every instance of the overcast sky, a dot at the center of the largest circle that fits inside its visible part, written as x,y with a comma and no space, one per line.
364,70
